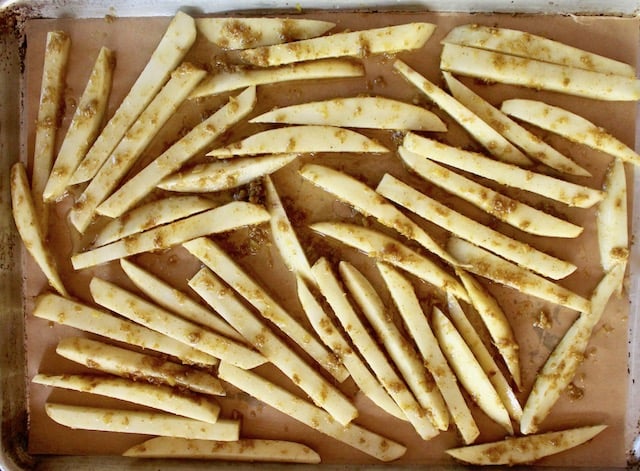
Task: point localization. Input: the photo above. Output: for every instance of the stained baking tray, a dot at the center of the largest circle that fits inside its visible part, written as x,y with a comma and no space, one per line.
13,15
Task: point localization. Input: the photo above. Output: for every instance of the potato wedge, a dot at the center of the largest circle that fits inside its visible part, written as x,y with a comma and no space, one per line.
484,357
332,338
487,265
156,396
175,43
490,139
562,364
522,44
221,219
246,449
556,189
226,268
386,40
539,75
468,370
28,224
85,125
531,144
386,249
506,209
154,317
244,33
612,219
406,301
570,126
136,139
300,139
525,450
226,81
373,112
321,391
364,199
150,215
196,140
403,355
471,230
370,350
74,314
225,174
137,366
176,301
147,423
303,411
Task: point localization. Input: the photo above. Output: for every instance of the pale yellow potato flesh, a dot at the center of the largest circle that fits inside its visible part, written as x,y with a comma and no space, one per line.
387,40
244,33
156,396
85,125
141,422
138,366
612,218
175,43
303,411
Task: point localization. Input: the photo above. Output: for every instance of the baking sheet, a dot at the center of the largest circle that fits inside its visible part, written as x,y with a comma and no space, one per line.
609,350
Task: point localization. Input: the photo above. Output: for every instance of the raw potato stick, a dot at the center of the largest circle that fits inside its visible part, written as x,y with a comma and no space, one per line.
303,411
612,219
173,46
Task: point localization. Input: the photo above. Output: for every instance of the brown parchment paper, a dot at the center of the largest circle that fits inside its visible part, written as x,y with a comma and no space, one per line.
601,382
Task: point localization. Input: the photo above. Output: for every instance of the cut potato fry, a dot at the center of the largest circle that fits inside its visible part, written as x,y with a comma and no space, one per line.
496,322
71,313
564,361
226,268
174,300
28,224
221,219
85,125
332,338
386,249
490,139
472,231
225,174
612,219
401,352
170,160
468,370
225,81
244,33
56,55
150,215
247,449
364,199
531,144
175,43
156,396
142,422
136,139
505,68
522,44
303,411
570,126
300,139
387,40
321,391
154,317
370,350
137,366
503,173
487,265
513,212
408,305
357,112
484,357
525,450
